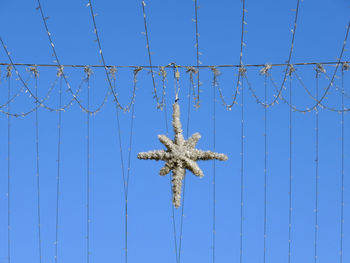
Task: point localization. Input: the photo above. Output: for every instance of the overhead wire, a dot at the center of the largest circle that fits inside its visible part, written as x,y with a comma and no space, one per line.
126,176
316,169
214,84
290,201
191,86
265,166
58,176
160,103
242,173
88,74
342,169
8,76
197,52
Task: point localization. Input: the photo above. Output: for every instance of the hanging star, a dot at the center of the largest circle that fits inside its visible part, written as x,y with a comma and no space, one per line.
180,155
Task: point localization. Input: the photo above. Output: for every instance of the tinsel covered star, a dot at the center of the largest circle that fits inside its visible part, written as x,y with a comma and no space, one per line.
180,155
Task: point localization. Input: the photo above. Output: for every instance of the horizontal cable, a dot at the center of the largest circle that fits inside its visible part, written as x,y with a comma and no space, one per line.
179,66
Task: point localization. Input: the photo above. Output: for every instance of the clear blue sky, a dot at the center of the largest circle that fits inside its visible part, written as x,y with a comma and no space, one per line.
319,37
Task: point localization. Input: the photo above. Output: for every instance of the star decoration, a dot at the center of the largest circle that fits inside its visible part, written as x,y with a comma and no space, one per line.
180,154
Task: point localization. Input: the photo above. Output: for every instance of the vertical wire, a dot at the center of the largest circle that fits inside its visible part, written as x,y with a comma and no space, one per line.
184,181
127,176
128,173
124,183
316,169
214,167
342,169
88,174
58,170
9,168
172,207
37,167
290,169
242,175
265,166
197,47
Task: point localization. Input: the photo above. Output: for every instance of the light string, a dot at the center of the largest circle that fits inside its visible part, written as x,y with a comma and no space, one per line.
322,105
241,67
342,168
59,126
88,74
242,175
160,103
132,100
17,94
290,168
316,169
289,57
40,103
265,164
35,72
197,53
318,101
8,76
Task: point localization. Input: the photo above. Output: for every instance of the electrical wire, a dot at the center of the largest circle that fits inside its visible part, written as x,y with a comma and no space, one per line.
265,168
342,169
242,176
197,51
126,177
58,168
316,170
160,104
290,169
88,72
35,72
9,68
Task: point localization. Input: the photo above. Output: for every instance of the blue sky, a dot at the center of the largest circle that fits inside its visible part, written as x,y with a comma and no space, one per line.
319,37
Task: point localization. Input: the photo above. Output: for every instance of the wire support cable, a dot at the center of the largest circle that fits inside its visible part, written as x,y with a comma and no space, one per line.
316,170
305,63
242,176
265,167
35,73
9,74
214,84
88,73
59,126
290,170
342,170
126,176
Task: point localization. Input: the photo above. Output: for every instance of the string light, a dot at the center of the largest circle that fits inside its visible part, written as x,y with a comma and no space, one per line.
59,126
8,76
316,167
241,70
35,72
198,62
